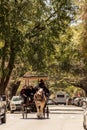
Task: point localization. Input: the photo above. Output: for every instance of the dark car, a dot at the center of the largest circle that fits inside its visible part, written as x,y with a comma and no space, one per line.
2,111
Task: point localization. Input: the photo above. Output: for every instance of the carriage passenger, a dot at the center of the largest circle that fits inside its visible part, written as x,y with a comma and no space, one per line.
31,91
24,94
28,93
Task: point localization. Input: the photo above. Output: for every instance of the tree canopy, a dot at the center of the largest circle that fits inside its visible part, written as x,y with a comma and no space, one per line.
36,36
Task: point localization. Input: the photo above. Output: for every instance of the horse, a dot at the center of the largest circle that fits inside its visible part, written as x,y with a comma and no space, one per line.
40,102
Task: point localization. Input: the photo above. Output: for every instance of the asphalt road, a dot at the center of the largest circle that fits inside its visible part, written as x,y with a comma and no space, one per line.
61,118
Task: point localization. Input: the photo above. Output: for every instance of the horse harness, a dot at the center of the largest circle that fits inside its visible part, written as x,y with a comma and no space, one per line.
39,97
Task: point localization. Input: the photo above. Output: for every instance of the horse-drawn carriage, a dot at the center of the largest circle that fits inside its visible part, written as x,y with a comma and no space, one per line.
36,100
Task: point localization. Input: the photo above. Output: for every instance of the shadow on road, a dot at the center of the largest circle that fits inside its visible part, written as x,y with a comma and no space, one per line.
65,113
34,118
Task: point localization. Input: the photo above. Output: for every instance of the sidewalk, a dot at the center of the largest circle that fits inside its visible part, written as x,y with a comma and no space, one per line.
65,108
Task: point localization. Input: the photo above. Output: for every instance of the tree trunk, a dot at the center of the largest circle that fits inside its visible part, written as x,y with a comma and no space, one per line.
86,93
80,83
15,88
2,89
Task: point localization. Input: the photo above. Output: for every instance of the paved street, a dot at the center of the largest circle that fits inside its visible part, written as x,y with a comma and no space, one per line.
61,118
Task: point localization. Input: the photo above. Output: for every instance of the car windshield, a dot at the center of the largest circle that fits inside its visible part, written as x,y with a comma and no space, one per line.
16,98
60,95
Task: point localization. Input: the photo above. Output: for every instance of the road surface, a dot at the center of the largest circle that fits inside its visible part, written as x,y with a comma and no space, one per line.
61,118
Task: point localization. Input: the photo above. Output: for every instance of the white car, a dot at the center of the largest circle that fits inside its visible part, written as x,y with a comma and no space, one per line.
76,101
84,101
16,103
85,119
2,112
61,98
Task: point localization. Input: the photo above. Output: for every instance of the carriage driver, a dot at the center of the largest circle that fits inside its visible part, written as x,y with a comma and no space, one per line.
43,86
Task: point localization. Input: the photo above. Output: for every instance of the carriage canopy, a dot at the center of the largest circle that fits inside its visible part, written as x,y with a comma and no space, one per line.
31,78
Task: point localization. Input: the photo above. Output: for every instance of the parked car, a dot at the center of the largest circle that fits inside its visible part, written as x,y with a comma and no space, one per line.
50,102
72,100
77,101
83,102
85,118
2,112
61,98
16,103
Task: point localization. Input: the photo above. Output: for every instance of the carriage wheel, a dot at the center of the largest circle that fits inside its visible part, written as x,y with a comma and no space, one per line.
44,112
47,111
23,109
24,112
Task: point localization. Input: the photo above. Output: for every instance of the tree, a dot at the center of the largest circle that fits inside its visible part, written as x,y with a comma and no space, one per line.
29,31
73,62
